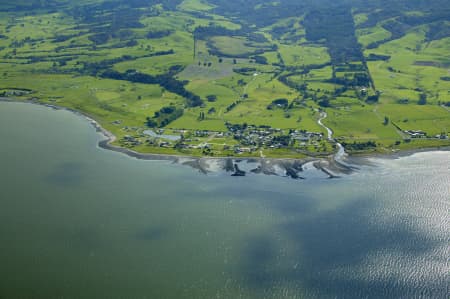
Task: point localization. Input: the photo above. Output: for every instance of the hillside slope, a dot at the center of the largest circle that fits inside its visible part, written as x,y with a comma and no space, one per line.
238,77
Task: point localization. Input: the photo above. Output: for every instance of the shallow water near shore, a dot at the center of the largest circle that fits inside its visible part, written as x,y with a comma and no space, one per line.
78,221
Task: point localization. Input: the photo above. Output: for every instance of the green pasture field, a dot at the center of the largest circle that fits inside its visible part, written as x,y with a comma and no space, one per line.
367,36
359,123
360,18
303,55
195,5
431,119
62,57
236,46
414,68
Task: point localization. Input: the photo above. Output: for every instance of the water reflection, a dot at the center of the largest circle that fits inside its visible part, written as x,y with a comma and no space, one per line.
160,230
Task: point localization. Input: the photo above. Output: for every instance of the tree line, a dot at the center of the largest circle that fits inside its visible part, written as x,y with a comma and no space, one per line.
165,80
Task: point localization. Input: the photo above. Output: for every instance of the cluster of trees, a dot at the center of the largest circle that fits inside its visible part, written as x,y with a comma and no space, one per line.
359,146
201,116
106,19
397,30
260,13
399,23
257,37
437,31
208,64
211,98
253,51
232,105
93,68
100,38
164,116
236,127
284,140
336,28
350,67
165,80
357,79
205,32
373,98
422,99
60,38
324,101
159,33
376,57
16,43
378,11
14,5
278,103
286,33
352,80
57,59
376,16
260,59
304,71
245,70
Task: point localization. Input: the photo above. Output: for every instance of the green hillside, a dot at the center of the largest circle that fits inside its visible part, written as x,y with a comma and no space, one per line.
238,77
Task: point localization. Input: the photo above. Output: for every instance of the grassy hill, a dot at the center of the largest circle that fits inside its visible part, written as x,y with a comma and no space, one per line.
237,77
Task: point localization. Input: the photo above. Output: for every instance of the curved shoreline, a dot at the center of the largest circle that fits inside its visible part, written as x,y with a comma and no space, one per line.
106,143
292,166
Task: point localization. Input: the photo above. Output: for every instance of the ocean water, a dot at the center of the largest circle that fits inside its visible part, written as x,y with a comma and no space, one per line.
77,221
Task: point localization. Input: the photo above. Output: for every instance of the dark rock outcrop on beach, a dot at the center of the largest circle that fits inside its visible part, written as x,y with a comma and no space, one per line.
267,166
293,168
237,171
290,171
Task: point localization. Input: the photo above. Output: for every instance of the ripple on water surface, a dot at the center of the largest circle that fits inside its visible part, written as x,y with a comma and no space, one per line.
78,221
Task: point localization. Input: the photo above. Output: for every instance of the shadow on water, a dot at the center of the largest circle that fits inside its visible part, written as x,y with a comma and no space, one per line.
279,200
68,174
332,246
260,254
